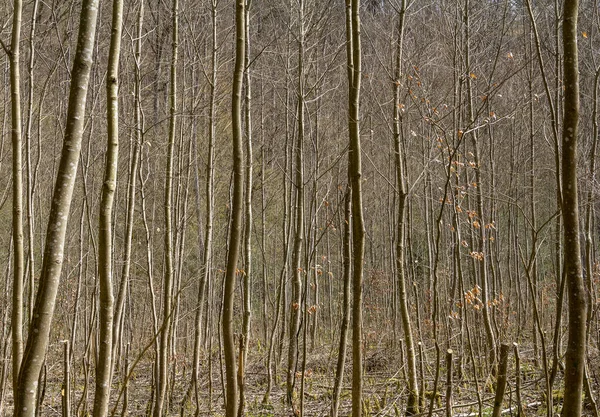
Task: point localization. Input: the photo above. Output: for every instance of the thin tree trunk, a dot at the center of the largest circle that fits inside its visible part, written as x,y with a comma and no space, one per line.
38,338
449,402
208,232
355,178
132,182
237,208
501,382
162,358
17,193
339,370
575,354
247,273
66,387
32,175
297,271
104,366
413,396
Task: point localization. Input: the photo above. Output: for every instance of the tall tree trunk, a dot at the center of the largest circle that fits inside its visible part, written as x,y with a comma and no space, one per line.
247,273
104,366
355,177
295,310
38,338
237,209
412,406
162,358
575,354
208,231
132,183
17,193
31,173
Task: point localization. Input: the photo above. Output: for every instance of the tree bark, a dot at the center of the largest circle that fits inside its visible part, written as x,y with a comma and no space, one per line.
347,267
501,381
37,341
575,354
104,366
17,193
247,273
412,406
296,301
237,209
132,182
208,231
162,358
355,177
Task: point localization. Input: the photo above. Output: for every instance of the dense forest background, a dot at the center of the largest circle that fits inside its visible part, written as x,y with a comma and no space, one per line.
460,134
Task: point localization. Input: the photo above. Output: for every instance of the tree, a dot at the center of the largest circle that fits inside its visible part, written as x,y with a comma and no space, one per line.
168,285
105,357
353,48
575,354
297,270
413,398
39,329
17,191
247,273
237,210
208,232
341,361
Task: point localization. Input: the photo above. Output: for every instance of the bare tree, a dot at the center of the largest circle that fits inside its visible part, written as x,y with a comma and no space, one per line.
413,398
354,57
297,271
17,192
37,340
237,209
105,270
575,355
247,273
162,358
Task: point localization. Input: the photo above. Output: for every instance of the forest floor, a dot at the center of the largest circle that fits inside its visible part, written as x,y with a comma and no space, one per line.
384,392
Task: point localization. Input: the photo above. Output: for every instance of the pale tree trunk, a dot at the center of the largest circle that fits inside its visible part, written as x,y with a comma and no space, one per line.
162,357
412,406
295,310
37,341
104,366
131,185
355,178
143,178
288,190
246,274
17,193
237,208
31,174
575,354
208,232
